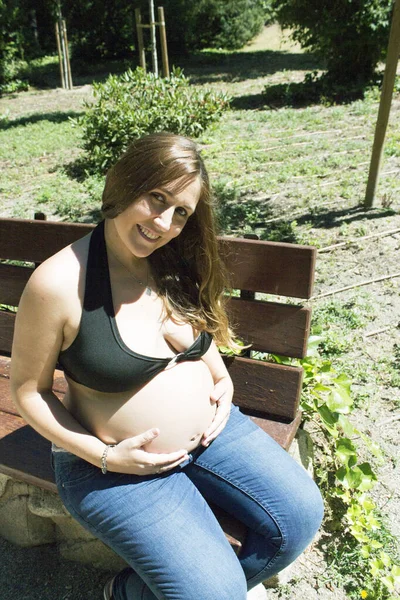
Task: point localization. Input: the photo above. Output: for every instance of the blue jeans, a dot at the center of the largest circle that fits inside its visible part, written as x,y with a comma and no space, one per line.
164,529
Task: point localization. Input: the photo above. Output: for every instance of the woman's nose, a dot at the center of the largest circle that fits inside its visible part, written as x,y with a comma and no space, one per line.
164,219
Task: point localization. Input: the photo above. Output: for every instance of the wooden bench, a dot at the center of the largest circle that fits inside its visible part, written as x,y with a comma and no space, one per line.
268,392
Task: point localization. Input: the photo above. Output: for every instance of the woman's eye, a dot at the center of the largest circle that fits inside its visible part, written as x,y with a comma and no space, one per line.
158,197
182,212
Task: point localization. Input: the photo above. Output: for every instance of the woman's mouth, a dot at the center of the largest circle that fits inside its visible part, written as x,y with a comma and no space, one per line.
147,234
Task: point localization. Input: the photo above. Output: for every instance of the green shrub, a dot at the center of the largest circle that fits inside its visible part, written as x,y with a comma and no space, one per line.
227,24
10,68
350,35
135,103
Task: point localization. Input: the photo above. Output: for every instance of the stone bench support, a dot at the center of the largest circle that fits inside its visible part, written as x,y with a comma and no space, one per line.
30,516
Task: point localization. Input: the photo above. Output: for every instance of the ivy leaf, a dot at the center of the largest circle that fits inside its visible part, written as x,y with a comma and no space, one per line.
372,446
326,367
395,573
351,478
385,558
329,419
365,551
313,343
359,534
344,382
339,401
344,495
388,581
281,360
368,505
376,567
321,388
345,450
368,478
347,427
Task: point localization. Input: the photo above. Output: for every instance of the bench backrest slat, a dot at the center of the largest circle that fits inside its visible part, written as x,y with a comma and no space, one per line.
34,241
265,267
266,388
7,320
13,279
269,267
270,326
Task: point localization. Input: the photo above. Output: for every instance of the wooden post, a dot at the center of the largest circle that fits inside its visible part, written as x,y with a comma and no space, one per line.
142,56
63,85
384,106
163,38
39,216
153,38
62,44
246,294
68,74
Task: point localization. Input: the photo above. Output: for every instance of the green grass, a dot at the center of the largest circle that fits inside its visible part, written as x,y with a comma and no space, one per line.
288,174
310,158
36,153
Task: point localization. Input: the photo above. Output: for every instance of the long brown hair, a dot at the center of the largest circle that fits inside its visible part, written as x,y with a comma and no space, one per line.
189,273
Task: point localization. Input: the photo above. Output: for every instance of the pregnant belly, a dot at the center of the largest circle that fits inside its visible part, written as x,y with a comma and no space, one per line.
177,402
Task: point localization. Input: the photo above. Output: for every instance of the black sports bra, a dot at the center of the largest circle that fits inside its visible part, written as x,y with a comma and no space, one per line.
98,358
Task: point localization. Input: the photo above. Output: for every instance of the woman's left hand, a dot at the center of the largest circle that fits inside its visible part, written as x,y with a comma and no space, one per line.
222,397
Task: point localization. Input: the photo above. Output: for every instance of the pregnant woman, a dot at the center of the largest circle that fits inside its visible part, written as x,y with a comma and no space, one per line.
147,433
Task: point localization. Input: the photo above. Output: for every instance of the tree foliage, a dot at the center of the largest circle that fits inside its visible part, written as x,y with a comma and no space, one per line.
27,27
212,23
106,28
26,32
351,35
100,28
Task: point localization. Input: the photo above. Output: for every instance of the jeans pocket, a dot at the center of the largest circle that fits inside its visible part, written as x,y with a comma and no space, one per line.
76,473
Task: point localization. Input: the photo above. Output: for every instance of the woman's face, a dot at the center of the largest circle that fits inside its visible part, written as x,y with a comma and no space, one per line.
156,217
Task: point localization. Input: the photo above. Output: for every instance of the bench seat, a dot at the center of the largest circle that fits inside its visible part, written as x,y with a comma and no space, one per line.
268,392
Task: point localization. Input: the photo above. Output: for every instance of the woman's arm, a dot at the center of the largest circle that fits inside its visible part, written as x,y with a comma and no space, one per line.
38,338
221,395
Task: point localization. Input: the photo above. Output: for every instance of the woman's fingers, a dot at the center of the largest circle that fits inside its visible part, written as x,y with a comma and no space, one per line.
131,456
158,463
145,438
168,467
221,395
219,422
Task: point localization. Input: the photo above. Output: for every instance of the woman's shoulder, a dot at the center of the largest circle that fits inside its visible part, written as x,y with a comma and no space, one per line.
60,274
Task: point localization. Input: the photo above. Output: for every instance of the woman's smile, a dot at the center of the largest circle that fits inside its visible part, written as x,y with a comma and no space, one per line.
147,234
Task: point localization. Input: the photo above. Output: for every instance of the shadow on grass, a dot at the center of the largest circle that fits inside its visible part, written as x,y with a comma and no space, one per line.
208,67
79,169
87,74
298,95
237,221
335,218
79,215
249,102
53,117
92,216
202,67
45,76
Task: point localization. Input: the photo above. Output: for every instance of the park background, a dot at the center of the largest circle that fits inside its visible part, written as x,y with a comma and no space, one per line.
288,161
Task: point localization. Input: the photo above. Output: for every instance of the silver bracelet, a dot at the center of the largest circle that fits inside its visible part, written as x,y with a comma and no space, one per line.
104,457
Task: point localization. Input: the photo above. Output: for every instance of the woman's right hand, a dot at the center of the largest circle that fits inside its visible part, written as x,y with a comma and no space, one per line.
129,456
